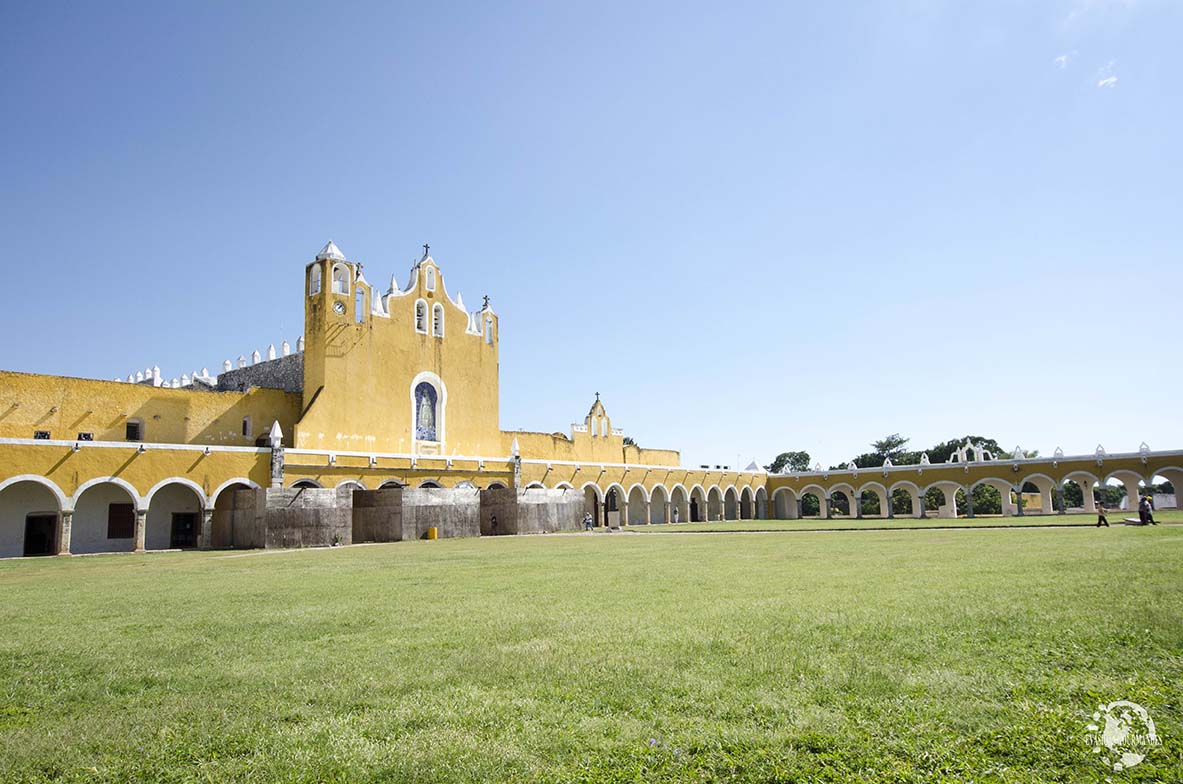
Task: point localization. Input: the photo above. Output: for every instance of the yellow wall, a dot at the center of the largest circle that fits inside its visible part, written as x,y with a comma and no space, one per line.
67,406
364,371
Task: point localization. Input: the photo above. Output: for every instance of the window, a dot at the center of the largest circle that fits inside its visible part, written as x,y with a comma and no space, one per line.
437,320
340,279
359,307
421,317
425,412
246,426
86,436
314,280
431,278
121,521
41,435
489,331
135,430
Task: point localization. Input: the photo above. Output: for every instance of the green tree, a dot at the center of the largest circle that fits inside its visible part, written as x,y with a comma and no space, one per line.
794,461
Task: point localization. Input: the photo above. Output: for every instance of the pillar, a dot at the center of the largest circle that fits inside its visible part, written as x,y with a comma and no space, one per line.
207,529
1019,502
1086,493
856,502
622,507
1060,499
65,521
668,512
827,504
887,510
141,528
1132,494
648,513
800,509
918,510
969,502
1045,500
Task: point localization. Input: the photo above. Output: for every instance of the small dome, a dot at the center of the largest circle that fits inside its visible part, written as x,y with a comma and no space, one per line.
331,251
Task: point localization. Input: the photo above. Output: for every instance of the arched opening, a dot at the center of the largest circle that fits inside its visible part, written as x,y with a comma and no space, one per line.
28,519
731,504
426,412
359,307
679,505
430,485
391,484
658,505
1077,491
905,500
841,498
934,501
873,499
714,504
104,520
784,504
591,503
174,518
698,505
813,503
746,510
761,511
306,484
421,317
430,276
340,279
225,503
437,320
1038,495
945,498
637,506
489,331
314,280
1166,484
613,502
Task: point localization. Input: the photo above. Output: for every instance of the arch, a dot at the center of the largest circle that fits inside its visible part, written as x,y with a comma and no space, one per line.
731,503
30,513
174,515
429,278
746,503
104,521
698,504
305,484
592,501
761,500
430,484
536,486
131,491
498,486
948,490
357,484
314,280
428,409
658,504
437,320
340,278
784,504
392,484
714,504
615,500
846,504
43,481
421,316
240,480
679,504
564,486
180,480
880,494
638,505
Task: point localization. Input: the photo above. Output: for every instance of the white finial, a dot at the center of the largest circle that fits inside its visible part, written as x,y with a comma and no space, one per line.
1058,453
460,300
241,361
1144,447
271,351
1100,451
226,366
118,379
300,343
1017,454
255,357
285,348
393,285
184,380
205,372
139,376
514,447
817,466
924,459
131,379
331,251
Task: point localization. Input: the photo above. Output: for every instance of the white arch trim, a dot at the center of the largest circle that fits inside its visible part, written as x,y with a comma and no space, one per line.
137,501
594,486
564,486
307,481
64,504
242,480
872,486
679,486
497,486
993,481
659,486
1030,477
536,486
355,482
441,390
911,487
177,480
817,490
701,492
644,492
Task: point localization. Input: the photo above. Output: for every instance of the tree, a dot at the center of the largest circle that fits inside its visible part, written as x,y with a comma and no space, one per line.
891,446
794,461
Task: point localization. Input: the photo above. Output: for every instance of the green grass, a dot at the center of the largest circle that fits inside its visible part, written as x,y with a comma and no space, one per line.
882,656
870,523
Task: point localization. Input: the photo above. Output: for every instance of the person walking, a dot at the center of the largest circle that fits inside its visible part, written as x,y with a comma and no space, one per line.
1144,512
587,521
1150,511
1101,519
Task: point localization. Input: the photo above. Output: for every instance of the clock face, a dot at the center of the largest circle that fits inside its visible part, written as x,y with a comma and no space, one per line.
339,307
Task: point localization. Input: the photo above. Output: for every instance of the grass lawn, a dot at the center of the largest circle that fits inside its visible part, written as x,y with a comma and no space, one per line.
880,656
867,523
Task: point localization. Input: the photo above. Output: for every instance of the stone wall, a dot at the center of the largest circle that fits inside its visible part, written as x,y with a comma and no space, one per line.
286,373
453,511
530,511
308,517
378,515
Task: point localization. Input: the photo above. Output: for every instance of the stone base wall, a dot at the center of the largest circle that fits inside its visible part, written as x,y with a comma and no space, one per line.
378,515
453,511
530,511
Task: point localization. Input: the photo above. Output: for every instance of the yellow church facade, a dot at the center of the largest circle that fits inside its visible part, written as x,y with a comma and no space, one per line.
388,388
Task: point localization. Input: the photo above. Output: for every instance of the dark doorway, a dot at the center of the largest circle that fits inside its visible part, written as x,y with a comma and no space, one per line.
184,531
693,511
40,530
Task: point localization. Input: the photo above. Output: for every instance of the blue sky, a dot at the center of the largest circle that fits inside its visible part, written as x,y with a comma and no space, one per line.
751,227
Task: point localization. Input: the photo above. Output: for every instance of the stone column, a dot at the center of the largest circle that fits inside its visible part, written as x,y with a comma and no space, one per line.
969,502
141,528
648,513
888,510
65,521
206,541
800,509
918,501
1060,499
1086,492
1132,493
1019,502
856,502
1045,501
827,509
668,512
623,507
